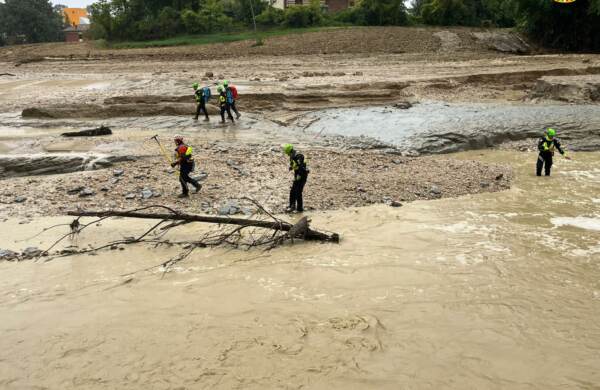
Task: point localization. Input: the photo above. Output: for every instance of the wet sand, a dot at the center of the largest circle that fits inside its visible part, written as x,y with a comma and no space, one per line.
496,290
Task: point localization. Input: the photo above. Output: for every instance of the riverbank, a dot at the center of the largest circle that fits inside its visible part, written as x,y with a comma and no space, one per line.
338,179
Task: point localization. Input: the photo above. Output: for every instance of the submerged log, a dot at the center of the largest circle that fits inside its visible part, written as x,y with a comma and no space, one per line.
299,230
102,130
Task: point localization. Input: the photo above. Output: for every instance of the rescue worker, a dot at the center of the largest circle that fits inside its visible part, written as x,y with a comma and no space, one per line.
202,95
223,104
231,96
300,170
183,158
548,142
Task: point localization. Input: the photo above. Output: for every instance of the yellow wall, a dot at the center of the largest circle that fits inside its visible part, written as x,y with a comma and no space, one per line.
72,15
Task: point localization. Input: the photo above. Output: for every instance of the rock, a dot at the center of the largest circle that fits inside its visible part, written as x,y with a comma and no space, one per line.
118,172
115,180
230,208
403,105
147,193
395,203
20,199
8,255
102,130
435,190
104,189
75,190
484,184
500,176
131,195
285,78
86,192
31,252
358,73
209,74
200,176
338,74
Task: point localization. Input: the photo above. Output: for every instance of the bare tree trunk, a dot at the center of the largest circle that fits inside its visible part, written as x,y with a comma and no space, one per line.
305,232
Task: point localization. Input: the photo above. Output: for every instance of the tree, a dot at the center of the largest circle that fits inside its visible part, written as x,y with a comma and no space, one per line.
572,26
384,12
30,21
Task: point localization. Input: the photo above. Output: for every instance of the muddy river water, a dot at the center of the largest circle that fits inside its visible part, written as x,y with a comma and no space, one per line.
492,291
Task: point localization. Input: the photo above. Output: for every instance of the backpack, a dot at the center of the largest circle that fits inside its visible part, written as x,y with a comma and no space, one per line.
206,93
233,91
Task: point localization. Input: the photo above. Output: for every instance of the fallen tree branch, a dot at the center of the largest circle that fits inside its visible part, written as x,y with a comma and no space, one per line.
306,234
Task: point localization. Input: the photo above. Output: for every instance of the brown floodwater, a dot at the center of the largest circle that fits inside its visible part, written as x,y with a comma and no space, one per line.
493,291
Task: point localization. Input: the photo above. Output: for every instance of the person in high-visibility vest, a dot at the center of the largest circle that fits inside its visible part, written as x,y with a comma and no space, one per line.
300,169
546,145
231,95
183,158
202,95
224,104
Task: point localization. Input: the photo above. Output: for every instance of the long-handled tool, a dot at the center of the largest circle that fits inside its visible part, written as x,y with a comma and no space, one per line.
162,149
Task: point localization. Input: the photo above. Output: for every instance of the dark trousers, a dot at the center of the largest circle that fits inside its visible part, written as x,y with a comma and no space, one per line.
201,106
296,194
237,113
184,178
227,108
544,161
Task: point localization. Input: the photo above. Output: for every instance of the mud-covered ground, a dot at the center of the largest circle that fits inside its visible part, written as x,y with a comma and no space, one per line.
278,82
229,174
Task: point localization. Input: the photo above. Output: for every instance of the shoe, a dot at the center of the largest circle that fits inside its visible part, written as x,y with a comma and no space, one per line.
198,188
206,119
195,118
289,210
222,121
180,196
238,116
300,210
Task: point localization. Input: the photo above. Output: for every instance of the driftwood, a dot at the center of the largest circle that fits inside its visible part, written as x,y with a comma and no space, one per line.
102,130
242,233
299,230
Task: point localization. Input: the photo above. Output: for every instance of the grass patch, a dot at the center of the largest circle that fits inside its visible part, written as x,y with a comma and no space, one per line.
185,40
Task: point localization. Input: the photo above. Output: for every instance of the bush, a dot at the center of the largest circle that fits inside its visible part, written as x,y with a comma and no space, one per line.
101,44
191,22
270,17
449,13
303,16
375,13
169,22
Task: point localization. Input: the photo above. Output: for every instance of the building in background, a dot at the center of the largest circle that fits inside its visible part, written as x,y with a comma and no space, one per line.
78,23
73,16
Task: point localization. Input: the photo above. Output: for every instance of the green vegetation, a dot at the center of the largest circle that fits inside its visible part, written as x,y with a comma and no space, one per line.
212,38
30,21
151,23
